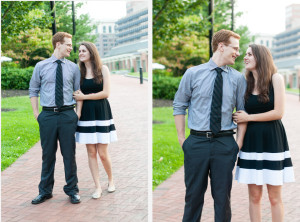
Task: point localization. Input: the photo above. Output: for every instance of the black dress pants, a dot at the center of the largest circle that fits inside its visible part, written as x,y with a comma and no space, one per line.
58,126
213,157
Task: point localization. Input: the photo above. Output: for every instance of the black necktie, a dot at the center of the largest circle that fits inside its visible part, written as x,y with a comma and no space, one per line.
59,94
216,105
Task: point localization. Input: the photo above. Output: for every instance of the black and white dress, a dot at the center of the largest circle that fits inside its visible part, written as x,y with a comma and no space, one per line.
265,157
96,124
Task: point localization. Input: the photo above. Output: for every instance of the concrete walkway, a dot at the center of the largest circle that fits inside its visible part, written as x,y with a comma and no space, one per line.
168,198
129,103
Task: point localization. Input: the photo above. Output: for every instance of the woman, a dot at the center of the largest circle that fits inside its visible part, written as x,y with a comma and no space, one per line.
95,126
264,157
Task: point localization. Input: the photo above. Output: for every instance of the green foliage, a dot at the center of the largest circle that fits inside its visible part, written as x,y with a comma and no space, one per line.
288,86
15,78
164,87
10,64
162,72
21,16
19,129
132,69
26,29
167,153
30,47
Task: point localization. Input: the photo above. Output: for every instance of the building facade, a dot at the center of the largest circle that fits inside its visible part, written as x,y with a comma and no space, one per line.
264,39
131,50
106,40
286,50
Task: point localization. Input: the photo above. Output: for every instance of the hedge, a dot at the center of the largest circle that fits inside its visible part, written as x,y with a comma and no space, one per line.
16,78
165,87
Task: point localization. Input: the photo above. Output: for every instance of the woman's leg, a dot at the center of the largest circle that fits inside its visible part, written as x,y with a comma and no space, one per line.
93,164
106,161
276,203
255,194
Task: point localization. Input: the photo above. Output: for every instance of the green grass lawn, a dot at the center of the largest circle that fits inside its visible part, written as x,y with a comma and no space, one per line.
167,153
19,129
292,90
137,74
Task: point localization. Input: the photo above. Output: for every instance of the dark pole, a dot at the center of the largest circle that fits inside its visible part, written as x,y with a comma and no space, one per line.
232,15
74,27
141,75
53,15
211,31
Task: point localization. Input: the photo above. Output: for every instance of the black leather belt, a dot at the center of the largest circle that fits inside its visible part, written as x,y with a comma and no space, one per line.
55,109
209,134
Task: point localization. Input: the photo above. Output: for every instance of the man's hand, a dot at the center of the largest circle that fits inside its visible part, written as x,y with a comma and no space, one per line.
36,115
181,141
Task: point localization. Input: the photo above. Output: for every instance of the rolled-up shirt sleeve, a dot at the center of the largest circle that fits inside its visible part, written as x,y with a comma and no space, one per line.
76,78
35,82
241,89
183,95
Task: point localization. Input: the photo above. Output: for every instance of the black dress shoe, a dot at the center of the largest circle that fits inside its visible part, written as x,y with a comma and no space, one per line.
75,199
41,198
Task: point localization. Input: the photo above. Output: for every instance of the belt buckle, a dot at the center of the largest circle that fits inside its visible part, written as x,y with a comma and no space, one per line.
209,135
56,110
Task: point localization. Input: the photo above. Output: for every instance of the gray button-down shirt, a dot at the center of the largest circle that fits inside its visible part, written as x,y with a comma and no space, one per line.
195,93
44,77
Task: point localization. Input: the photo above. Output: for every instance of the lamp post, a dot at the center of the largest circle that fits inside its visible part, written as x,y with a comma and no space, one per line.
211,31
74,28
232,15
53,15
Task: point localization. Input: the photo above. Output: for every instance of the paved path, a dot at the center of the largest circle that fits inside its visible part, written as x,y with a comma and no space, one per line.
168,198
129,104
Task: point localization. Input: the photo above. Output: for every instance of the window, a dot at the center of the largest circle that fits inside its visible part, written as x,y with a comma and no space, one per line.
267,43
261,42
109,28
104,29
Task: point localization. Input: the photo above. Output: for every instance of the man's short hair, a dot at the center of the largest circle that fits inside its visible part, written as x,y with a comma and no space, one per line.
59,37
222,36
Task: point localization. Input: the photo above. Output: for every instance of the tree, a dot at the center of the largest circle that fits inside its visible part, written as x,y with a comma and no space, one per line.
21,16
30,47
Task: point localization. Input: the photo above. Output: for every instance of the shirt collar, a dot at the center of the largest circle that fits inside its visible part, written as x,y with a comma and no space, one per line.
53,59
212,65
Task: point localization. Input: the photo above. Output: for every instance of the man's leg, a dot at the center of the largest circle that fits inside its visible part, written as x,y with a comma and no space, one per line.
223,157
196,163
67,127
48,133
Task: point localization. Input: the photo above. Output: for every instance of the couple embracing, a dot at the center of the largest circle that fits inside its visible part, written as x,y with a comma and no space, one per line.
211,92
62,85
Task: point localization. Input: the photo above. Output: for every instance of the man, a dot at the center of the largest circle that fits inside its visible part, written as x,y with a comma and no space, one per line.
56,79
210,91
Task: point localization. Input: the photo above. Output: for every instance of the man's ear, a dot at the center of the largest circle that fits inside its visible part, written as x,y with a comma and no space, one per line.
58,44
220,47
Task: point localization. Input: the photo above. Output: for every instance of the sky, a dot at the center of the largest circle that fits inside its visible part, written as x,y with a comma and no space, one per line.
263,16
104,10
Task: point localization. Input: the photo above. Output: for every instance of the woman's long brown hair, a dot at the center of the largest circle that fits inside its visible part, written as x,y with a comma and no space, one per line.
96,63
265,68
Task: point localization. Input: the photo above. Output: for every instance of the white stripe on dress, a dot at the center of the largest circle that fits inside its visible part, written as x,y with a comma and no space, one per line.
264,156
261,177
96,123
94,138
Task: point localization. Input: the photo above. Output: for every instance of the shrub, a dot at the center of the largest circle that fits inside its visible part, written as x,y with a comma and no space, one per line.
15,78
165,87
162,72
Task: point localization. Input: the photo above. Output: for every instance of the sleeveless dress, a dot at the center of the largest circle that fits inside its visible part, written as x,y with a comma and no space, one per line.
96,124
265,157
